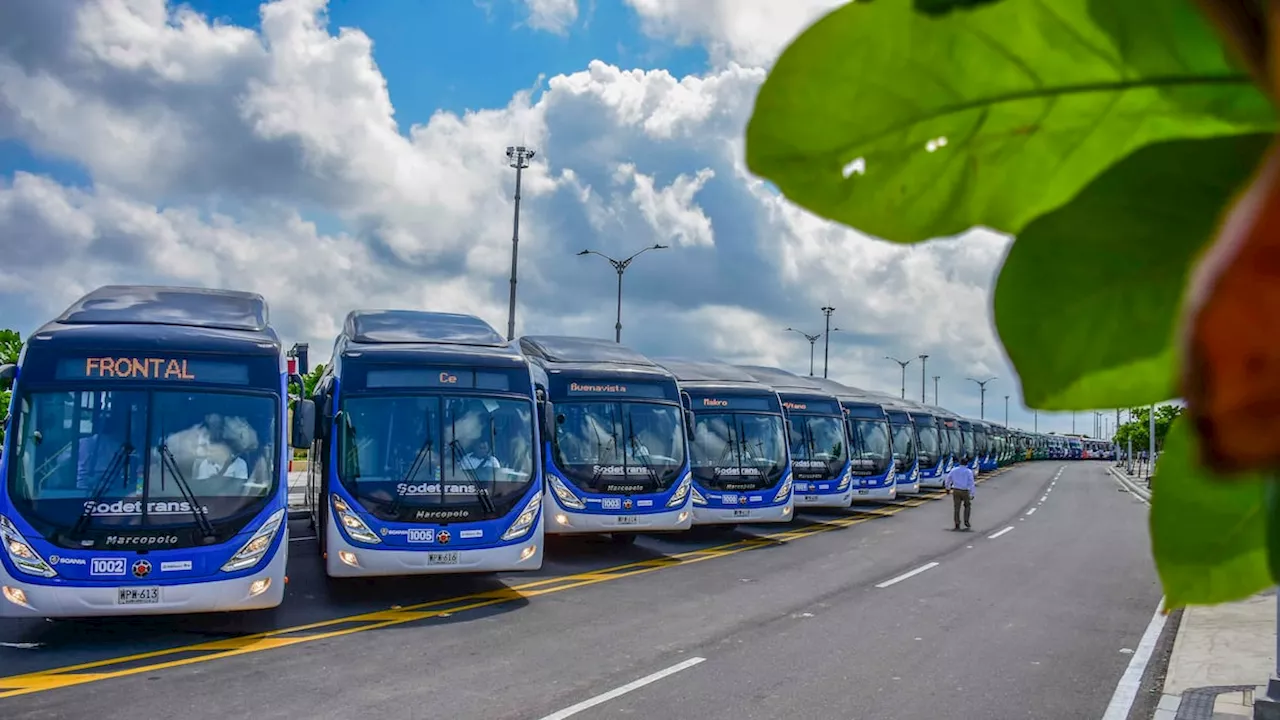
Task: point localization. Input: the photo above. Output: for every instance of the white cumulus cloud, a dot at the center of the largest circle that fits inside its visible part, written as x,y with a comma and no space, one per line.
270,159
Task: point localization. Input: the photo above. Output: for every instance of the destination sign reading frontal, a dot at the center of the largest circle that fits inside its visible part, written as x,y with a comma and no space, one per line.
149,367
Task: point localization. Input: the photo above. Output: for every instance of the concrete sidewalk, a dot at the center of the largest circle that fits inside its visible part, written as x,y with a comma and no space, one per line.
1222,658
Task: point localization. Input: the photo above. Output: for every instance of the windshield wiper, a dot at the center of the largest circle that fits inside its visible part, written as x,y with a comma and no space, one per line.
424,452
482,494
197,510
644,460
119,461
349,429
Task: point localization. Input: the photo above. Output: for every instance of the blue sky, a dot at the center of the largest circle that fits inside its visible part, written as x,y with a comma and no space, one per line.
453,55
273,159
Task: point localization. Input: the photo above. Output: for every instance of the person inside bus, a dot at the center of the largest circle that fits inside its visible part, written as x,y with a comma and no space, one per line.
479,454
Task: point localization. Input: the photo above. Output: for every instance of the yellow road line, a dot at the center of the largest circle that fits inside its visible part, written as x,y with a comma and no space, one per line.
71,675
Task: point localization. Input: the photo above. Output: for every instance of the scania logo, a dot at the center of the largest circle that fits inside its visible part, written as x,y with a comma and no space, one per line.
141,568
442,537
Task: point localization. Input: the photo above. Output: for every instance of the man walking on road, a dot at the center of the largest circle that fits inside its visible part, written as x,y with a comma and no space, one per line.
961,484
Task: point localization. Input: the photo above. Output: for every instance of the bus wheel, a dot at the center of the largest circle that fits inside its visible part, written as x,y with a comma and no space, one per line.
623,538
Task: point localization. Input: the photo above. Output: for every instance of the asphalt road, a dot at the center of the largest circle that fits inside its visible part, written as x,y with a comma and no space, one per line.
816,619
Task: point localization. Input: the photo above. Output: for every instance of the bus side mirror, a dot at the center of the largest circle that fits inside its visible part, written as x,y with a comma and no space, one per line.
304,424
296,379
548,420
688,424
8,372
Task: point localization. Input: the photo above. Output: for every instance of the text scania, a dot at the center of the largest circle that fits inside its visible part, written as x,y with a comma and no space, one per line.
135,507
435,489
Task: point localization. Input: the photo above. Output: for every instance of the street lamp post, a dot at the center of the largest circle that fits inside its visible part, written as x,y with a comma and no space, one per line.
936,378
1006,411
621,267
519,157
982,397
826,344
923,360
812,339
904,364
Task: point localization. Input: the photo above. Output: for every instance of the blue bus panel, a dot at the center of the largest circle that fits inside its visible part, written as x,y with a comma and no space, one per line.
143,469
616,446
906,453
426,456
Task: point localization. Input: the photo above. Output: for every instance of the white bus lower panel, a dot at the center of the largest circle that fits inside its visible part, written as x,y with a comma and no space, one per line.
260,591
759,514
568,522
345,559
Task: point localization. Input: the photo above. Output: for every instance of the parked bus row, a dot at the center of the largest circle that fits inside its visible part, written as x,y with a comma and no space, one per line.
145,460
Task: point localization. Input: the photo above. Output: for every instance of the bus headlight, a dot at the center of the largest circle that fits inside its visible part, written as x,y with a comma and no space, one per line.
528,516
783,491
355,528
697,497
564,494
251,552
20,552
682,492
845,480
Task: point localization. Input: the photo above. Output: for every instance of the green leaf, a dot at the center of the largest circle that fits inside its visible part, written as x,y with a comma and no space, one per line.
1209,536
1032,100
1087,301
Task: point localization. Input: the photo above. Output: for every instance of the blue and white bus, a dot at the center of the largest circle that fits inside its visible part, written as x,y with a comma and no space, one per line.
989,446
145,464
425,456
820,458
738,451
873,469
614,454
906,449
931,451
968,449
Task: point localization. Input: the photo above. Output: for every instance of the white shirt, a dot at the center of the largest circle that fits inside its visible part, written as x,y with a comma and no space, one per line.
961,478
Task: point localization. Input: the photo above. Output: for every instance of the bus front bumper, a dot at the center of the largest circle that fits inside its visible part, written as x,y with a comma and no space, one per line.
889,492
344,559
62,601
567,522
704,515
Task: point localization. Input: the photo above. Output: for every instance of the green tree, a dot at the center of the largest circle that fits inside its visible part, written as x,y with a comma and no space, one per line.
10,349
1138,426
1037,120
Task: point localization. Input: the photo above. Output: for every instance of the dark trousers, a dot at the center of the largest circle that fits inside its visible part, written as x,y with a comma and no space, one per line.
958,498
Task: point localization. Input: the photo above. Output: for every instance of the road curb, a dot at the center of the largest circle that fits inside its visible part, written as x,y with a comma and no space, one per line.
1142,493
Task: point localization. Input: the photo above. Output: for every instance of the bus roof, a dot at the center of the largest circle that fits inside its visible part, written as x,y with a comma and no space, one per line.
565,349
143,316
711,373
382,327
781,379
160,305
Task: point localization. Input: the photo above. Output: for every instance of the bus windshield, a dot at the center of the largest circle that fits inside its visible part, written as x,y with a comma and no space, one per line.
435,457
738,451
930,445
92,461
619,447
966,441
980,442
872,451
818,449
954,444
904,445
